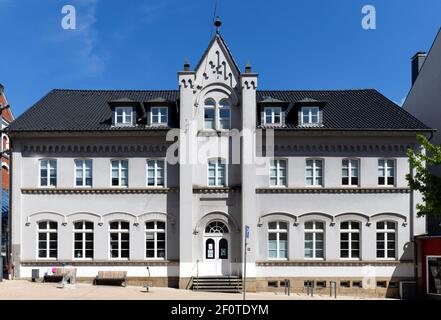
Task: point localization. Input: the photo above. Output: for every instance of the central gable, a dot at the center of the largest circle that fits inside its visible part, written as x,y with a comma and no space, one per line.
217,66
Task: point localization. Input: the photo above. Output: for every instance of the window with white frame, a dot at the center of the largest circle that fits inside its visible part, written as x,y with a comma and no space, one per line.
83,173
278,173
310,115
124,115
224,115
386,172
314,239
350,240
119,240
216,173
209,114
350,172
47,240
272,115
48,173
83,240
314,172
277,240
155,173
120,173
155,239
159,115
386,239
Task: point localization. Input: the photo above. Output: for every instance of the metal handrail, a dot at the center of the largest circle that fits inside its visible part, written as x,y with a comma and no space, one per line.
197,275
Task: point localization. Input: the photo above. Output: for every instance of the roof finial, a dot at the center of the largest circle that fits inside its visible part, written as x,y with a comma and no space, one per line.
217,24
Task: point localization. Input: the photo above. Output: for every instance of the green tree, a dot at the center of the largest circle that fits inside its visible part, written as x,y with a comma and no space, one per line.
423,180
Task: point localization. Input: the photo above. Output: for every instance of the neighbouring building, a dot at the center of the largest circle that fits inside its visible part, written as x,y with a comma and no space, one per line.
96,185
7,118
424,101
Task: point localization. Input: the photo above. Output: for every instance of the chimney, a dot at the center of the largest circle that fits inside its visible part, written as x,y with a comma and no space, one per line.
186,65
417,63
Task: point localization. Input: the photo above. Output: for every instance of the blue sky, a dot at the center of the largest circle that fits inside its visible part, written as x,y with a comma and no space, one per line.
308,44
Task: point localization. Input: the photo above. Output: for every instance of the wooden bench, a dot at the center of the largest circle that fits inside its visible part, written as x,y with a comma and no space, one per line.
111,277
60,274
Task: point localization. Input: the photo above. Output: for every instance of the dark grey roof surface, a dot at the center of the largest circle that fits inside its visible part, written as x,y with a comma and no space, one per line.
82,110
350,109
89,110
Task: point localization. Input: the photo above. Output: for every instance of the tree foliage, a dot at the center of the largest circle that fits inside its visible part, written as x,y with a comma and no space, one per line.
423,179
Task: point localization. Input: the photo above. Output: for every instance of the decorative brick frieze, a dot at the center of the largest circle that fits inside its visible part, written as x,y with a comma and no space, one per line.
98,190
333,190
335,263
59,263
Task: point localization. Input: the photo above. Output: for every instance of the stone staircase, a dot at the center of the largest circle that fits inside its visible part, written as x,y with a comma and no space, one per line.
217,284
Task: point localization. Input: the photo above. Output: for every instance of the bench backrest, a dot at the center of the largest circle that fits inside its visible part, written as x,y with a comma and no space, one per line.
112,274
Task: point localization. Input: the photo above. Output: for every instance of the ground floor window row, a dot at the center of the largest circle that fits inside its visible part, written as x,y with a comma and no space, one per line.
321,284
119,240
350,240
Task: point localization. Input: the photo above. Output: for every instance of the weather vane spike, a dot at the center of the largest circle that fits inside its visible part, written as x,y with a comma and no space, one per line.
217,24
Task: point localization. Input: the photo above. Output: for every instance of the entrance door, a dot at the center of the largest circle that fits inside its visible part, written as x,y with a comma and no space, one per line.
217,260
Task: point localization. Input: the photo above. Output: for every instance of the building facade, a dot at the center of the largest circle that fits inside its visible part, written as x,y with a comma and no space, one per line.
7,118
122,180
423,102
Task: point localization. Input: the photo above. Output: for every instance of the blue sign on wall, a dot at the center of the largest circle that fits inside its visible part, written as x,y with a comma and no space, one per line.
247,232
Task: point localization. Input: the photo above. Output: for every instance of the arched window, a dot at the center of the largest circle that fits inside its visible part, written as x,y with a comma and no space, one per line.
47,240
386,239
216,227
350,240
155,240
216,173
119,240
314,239
83,240
224,115
278,240
209,114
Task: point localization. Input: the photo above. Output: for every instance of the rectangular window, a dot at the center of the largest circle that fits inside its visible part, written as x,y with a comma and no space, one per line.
48,173
155,240
277,240
386,172
386,240
278,173
434,275
314,172
155,173
272,115
310,115
314,240
120,173
159,116
124,115
83,173
83,240
350,170
47,240
350,240
216,173
119,240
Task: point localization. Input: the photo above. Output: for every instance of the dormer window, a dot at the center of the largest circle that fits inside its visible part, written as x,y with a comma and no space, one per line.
310,115
273,115
123,115
159,115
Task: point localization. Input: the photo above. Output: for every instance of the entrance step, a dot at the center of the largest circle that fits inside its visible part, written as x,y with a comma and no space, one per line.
217,284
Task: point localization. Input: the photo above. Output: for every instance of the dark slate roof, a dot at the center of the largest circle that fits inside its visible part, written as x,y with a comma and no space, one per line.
82,110
89,110
362,109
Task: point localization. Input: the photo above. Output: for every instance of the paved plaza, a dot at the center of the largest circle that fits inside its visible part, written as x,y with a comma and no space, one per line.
26,290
